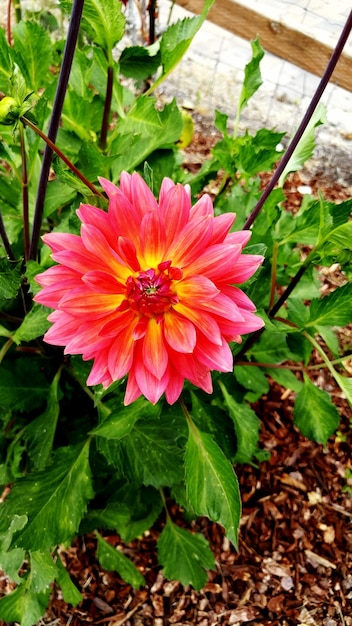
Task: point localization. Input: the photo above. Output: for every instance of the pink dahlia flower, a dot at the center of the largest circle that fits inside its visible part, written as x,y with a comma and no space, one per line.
147,289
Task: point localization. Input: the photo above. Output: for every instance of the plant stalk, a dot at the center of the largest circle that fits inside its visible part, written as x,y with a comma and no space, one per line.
24,183
60,154
303,125
69,51
107,107
5,239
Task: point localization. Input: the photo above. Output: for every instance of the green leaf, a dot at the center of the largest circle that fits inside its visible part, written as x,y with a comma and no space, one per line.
252,75
270,348
158,437
332,310
113,560
138,62
336,240
22,384
253,379
306,144
6,65
70,592
298,312
211,484
285,377
34,325
10,279
330,337
177,39
40,433
314,413
346,385
43,571
246,425
120,422
103,22
143,130
23,606
54,500
131,511
11,560
184,556
33,52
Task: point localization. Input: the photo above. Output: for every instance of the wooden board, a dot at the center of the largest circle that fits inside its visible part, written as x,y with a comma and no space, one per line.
275,37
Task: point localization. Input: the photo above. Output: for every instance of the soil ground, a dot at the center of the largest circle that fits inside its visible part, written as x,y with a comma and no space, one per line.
294,564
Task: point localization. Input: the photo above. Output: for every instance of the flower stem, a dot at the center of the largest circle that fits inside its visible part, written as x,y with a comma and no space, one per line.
107,107
273,275
70,46
5,348
5,240
303,125
24,184
60,154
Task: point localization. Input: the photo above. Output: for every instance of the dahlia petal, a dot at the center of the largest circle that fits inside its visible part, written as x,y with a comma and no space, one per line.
245,267
154,353
152,240
92,215
203,207
56,273
189,367
127,252
79,260
151,387
99,374
91,305
124,217
191,242
218,262
95,242
217,358
240,236
52,294
195,289
232,330
174,387
166,185
103,282
62,241
222,306
132,392
64,327
140,194
239,297
221,227
179,332
109,187
121,354
174,211
202,320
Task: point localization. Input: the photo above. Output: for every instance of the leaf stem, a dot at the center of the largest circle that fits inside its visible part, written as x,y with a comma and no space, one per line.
293,368
107,107
5,348
322,354
70,46
273,275
5,239
310,110
60,154
24,183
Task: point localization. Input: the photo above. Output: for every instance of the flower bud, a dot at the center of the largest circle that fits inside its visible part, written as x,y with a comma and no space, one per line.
10,111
